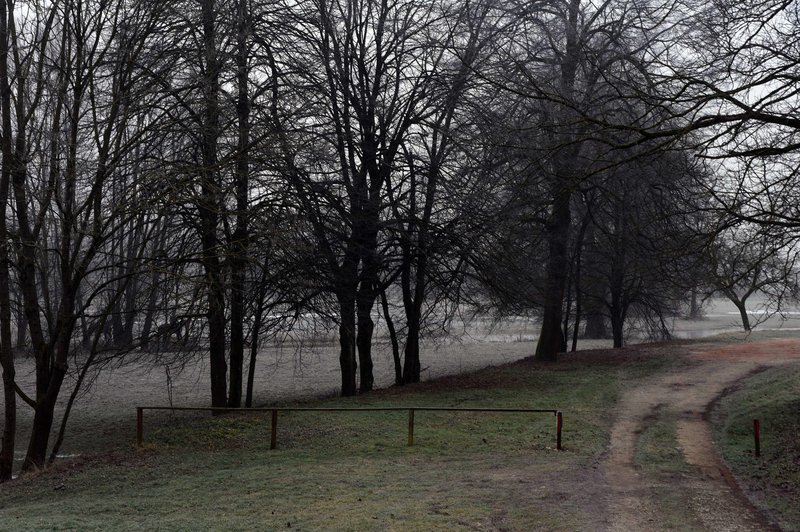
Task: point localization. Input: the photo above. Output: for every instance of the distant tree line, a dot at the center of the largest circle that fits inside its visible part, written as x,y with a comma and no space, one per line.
193,178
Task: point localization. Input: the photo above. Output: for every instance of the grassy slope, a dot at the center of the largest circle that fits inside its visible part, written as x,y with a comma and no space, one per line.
345,471
773,480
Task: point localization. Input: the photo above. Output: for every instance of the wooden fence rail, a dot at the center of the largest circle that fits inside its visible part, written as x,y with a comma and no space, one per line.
273,443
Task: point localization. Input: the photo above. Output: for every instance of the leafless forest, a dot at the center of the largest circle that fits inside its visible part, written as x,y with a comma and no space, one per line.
200,180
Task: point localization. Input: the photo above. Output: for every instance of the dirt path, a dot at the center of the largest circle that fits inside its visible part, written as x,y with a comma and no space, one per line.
703,494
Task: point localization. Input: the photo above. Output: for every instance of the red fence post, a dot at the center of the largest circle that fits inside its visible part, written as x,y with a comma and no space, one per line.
410,427
139,426
273,439
757,435
559,424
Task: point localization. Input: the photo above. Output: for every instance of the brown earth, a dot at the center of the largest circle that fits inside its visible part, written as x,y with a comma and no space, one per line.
706,494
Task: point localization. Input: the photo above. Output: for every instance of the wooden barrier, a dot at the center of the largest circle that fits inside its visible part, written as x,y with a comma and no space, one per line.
273,443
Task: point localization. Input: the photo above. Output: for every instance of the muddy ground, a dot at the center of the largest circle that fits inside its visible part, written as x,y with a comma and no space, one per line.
711,498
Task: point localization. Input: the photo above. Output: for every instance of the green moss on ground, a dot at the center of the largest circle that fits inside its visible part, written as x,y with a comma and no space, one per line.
773,479
658,450
345,471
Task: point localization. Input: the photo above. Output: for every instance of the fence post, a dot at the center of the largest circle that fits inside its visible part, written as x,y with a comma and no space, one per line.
273,439
757,436
410,427
559,424
139,426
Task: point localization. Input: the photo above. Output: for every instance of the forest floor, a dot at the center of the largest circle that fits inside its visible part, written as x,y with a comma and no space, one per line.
639,454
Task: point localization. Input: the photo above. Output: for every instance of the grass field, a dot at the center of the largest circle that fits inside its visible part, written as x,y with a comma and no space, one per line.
466,471
773,479
354,471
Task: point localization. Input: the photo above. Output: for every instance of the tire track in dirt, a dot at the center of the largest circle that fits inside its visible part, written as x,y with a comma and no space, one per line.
707,493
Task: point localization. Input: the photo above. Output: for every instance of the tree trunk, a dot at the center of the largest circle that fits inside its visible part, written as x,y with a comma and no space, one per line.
364,342
210,207
237,324
740,305
6,351
413,296
577,322
21,325
694,308
251,368
36,455
411,366
347,343
77,388
254,345
116,324
412,301
130,310
398,368
216,334
593,292
136,249
9,414
347,280
129,286
578,298
50,353
366,238
617,305
617,328
46,374
155,276
365,300
551,340
147,324
43,416
567,310
595,324
255,340
240,237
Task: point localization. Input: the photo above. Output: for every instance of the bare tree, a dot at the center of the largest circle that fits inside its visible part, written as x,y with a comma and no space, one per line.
67,59
435,156
744,261
368,66
6,352
726,74
644,248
